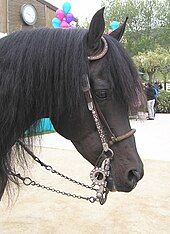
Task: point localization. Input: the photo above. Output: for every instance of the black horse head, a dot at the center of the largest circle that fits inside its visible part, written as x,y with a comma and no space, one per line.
41,74
116,89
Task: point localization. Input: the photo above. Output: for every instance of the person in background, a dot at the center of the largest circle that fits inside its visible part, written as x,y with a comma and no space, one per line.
151,95
158,86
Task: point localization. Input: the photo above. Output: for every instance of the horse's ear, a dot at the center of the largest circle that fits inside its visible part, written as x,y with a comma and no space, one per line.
96,30
118,33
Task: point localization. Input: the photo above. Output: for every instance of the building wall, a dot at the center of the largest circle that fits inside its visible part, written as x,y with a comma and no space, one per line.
50,14
14,18
10,17
3,16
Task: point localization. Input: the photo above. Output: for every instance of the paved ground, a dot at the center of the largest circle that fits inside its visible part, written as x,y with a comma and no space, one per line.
144,210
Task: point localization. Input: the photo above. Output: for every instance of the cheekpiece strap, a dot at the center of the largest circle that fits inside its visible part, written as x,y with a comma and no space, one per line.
92,108
87,92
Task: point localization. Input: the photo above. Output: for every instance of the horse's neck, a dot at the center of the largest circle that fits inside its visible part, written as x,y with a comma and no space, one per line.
11,129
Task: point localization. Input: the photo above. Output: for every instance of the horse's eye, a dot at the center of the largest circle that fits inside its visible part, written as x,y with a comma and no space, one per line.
101,94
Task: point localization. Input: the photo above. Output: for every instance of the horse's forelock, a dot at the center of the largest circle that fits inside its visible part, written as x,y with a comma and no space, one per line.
126,82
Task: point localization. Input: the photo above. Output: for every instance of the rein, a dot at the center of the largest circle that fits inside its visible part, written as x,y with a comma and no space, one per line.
101,172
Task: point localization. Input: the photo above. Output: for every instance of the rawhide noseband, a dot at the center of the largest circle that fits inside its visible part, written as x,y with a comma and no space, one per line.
101,172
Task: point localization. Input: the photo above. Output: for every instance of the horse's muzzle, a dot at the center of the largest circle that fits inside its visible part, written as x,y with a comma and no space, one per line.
133,178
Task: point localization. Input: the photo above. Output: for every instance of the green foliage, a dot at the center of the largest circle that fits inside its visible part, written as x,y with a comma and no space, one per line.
163,102
148,24
152,61
148,61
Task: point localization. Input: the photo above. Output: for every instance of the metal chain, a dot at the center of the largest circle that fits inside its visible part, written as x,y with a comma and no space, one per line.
49,168
28,181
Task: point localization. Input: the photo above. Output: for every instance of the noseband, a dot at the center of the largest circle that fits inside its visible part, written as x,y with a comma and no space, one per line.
101,172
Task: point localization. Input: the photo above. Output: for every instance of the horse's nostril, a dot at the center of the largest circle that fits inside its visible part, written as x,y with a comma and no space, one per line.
133,174
137,174
133,178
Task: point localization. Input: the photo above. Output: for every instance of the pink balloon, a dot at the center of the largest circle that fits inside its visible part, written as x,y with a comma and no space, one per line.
60,14
110,31
64,24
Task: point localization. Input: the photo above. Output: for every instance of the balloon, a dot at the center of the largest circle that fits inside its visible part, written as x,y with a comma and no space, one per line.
56,23
114,25
69,17
110,31
60,14
64,24
66,7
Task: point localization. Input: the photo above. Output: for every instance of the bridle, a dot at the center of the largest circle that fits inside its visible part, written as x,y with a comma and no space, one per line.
99,118
101,172
95,109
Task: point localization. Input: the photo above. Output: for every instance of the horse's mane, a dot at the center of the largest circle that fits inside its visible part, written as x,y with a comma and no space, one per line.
40,64
56,57
47,64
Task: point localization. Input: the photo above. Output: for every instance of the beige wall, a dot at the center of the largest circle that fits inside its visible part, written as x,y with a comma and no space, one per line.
3,16
49,14
14,17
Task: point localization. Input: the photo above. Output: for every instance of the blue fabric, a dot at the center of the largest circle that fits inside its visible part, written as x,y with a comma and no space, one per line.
45,126
156,94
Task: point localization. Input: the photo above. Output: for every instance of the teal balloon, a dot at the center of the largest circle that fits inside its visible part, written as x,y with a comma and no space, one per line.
56,23
114,25
66,7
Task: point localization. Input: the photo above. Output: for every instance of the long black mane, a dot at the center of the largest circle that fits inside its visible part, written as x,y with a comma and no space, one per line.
40,73
44,60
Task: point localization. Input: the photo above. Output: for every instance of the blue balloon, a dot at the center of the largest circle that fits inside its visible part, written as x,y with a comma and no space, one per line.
66,7
56,23
114,25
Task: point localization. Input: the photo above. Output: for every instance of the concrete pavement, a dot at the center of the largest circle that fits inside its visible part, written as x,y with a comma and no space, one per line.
146,210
